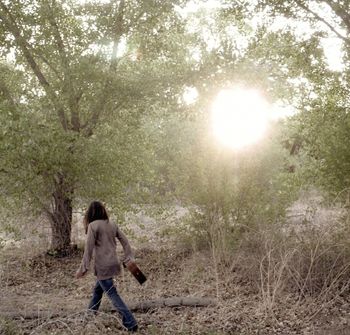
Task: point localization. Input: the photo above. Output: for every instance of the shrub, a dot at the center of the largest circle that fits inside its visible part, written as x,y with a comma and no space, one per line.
314,261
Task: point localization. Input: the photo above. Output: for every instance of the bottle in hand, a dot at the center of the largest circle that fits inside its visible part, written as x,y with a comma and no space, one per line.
136,272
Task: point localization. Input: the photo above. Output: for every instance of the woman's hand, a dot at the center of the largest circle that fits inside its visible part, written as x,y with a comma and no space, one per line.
79,274
127,259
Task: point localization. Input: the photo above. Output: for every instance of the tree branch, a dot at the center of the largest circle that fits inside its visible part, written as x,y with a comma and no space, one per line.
321,19
87,125
340,12
100,106
69,86
47,62
11,25
119,30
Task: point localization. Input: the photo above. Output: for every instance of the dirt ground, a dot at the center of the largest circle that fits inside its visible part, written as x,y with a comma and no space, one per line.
39,295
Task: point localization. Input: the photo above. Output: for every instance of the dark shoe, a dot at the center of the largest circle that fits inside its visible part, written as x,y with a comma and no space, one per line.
133,329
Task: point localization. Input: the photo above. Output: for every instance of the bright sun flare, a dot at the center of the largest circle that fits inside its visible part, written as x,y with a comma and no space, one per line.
239,117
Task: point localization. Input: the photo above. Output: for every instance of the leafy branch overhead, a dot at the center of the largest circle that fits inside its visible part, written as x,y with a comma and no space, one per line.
335,15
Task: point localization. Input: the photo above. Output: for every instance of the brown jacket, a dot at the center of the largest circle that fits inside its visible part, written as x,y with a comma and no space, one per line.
101,237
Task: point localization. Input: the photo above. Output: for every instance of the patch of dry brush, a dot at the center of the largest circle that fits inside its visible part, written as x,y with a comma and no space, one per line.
273,282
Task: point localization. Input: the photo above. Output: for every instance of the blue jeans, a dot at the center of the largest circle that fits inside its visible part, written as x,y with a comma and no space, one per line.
107,286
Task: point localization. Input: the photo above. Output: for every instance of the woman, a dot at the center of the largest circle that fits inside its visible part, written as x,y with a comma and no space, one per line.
101,237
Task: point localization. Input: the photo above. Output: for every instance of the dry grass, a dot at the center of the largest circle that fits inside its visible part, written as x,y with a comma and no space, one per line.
271,284
48,285
313,267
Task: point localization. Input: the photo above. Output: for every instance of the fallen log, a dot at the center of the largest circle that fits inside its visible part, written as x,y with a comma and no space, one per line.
140,307
172,302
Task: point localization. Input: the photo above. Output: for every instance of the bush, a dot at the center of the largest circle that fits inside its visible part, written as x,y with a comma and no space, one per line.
314,261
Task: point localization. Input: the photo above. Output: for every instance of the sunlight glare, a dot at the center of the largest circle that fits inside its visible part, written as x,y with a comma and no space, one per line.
239,117
190,95
333,52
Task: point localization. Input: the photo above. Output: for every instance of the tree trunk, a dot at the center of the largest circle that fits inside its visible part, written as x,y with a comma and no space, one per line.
61,216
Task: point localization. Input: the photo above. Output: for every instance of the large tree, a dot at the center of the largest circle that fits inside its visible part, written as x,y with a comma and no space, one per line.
75,84
322,124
